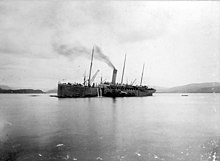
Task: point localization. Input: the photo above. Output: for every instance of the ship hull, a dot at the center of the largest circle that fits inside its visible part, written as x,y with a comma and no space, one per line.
73,91
127,93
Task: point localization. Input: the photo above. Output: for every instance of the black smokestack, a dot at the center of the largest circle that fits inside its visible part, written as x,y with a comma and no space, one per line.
79,50
114,76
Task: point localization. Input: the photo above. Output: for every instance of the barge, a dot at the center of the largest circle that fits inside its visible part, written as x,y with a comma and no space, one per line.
72,90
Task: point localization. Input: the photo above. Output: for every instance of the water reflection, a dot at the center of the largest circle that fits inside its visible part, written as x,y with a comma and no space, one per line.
114,100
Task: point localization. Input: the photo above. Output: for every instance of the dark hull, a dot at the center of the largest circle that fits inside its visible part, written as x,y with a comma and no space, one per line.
127,93
74,91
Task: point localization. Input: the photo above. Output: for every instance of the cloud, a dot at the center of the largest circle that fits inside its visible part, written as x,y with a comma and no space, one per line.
26,28
142,24
101,12
124,21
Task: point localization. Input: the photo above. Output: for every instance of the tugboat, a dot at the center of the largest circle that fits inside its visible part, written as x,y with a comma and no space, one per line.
71,90
114,89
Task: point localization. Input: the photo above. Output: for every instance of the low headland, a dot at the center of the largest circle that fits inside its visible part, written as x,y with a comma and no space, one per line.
21,91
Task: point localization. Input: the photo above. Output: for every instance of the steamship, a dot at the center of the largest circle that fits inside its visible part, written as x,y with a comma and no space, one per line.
114,89
71,90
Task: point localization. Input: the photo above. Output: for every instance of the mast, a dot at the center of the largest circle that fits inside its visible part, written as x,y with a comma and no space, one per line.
90,70
123,70
101,78
142,75
84,79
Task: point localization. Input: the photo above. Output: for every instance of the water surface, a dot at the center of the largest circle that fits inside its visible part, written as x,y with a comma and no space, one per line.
166,127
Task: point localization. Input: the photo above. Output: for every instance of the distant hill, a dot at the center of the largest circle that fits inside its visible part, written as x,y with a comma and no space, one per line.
159,88
212,87
4,87
17,91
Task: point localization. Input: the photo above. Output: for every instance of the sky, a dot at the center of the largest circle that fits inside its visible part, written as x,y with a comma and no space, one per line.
43,42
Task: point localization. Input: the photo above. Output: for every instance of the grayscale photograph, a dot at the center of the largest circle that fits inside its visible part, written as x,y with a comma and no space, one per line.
109,80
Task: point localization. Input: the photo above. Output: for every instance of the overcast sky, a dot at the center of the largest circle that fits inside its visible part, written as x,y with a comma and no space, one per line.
41,42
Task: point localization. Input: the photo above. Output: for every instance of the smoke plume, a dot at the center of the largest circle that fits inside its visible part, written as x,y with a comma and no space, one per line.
79,50
101,56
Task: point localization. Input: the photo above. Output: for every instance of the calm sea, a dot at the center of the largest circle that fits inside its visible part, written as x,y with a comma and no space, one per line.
165,127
